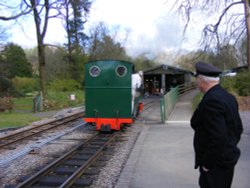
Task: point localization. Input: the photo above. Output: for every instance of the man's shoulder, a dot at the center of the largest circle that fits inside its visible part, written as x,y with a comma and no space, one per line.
220,97
218,93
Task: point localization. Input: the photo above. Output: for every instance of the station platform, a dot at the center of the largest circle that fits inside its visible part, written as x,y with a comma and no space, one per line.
163,155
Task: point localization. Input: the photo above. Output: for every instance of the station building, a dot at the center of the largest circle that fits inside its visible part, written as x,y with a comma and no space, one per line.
160,79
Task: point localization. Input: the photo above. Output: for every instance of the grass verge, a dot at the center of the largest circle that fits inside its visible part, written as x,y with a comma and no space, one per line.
22,113
14,119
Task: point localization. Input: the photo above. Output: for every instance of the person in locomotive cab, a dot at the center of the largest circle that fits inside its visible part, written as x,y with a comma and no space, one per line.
217,130
137,82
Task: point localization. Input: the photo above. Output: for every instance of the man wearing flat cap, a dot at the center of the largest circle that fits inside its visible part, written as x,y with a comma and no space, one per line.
217,130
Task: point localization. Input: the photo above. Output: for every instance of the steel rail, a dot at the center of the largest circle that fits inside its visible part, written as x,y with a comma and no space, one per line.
30,148
70,181
36,126
18,136
31,180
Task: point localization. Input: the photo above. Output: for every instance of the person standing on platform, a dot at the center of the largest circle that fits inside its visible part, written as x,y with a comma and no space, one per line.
217,130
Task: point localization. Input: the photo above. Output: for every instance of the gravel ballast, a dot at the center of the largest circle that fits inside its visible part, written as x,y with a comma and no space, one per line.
30,163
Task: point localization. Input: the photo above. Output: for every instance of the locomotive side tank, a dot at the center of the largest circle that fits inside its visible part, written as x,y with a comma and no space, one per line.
108,94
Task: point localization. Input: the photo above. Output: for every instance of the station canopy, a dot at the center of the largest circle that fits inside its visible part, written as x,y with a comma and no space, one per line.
166,69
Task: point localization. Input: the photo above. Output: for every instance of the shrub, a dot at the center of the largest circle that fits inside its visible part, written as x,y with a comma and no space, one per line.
242,83
239,84
64,85
229,84
58,100
6,104
25,84
6,87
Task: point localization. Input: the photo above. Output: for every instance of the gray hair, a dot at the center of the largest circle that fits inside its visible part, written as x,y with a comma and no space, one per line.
209,78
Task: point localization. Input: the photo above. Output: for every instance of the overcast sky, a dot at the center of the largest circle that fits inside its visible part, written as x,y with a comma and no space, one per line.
152,26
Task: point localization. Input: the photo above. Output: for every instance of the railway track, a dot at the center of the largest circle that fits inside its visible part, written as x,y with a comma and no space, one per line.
8,141
74,168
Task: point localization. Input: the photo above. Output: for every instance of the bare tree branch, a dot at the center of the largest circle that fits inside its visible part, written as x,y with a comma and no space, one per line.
13,17
46,17
215,26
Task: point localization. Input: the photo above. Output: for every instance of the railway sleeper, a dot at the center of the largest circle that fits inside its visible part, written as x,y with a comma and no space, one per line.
109,152
65,170
104,158
51,181
104,138
37,186
90,147
99,164
74,162
92,171
81,182
57,181
97,143
88,151
71,170
81,157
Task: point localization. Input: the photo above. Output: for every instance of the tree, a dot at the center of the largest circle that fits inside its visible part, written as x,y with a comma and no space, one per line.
142,62
76,12
103,46
242,49
41,28
32,57
56,65
247,18
75,18
3,35
225,60
236,25
3,66
6,87
41,11
187,61
15,59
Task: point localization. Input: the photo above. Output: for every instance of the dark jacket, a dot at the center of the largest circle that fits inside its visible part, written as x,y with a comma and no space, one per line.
218,128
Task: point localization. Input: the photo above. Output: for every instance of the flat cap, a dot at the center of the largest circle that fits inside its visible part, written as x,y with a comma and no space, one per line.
206,69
